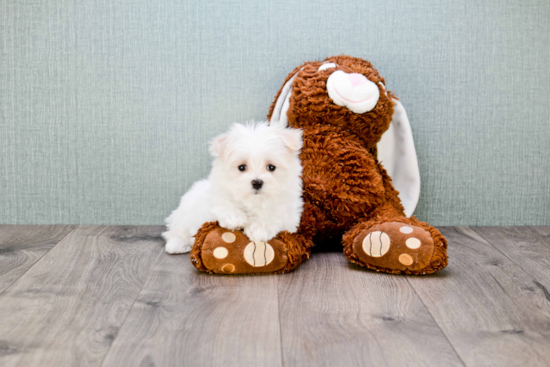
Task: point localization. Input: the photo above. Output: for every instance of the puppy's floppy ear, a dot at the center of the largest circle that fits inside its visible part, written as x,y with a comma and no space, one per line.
218,145
292,138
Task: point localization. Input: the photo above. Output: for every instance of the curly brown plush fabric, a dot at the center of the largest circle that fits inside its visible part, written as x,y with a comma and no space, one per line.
348,196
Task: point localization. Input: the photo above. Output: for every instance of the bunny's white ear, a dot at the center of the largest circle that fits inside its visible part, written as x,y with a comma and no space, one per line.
397,154
281,106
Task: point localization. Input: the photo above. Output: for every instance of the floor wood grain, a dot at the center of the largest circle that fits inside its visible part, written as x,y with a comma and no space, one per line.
67,309
525,247
186,318
22,246
544,231
492,312
109,296
334,313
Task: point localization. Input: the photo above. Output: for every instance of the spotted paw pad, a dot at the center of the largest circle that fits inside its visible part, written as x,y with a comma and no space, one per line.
231,252
395,245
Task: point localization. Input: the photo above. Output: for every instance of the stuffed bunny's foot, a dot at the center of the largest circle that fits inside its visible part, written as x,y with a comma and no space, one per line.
231,252
222,251
398,247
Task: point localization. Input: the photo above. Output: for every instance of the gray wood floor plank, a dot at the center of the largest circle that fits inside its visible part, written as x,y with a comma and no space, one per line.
543,231
22,246
336,314
186,318
492,312
67,309
525,247
76,304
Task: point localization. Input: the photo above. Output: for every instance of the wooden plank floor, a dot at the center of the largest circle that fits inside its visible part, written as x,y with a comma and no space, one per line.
110,296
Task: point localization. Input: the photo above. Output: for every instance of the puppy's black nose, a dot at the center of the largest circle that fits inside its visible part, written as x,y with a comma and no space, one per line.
257,184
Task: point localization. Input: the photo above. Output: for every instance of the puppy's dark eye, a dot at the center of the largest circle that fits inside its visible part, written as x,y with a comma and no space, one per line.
242,167
271,167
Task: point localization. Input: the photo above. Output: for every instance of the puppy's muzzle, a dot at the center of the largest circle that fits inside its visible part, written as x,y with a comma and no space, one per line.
257,184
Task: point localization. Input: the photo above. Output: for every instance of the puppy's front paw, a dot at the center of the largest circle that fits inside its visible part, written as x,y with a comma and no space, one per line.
233,221
260,232
177,246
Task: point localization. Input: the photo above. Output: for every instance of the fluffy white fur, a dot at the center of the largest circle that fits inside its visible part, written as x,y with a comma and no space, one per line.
228,195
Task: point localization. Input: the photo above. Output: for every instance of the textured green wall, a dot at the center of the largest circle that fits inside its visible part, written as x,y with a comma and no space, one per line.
106,106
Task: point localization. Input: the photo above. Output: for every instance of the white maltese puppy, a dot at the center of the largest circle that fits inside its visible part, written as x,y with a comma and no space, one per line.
255,184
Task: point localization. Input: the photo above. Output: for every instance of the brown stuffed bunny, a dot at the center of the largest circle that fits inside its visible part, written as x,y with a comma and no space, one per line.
343,108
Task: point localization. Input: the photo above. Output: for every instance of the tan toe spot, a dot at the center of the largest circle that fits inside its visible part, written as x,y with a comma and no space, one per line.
259,254
228,268
220,252
376,244
405,229
405,259
228,237
413,243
